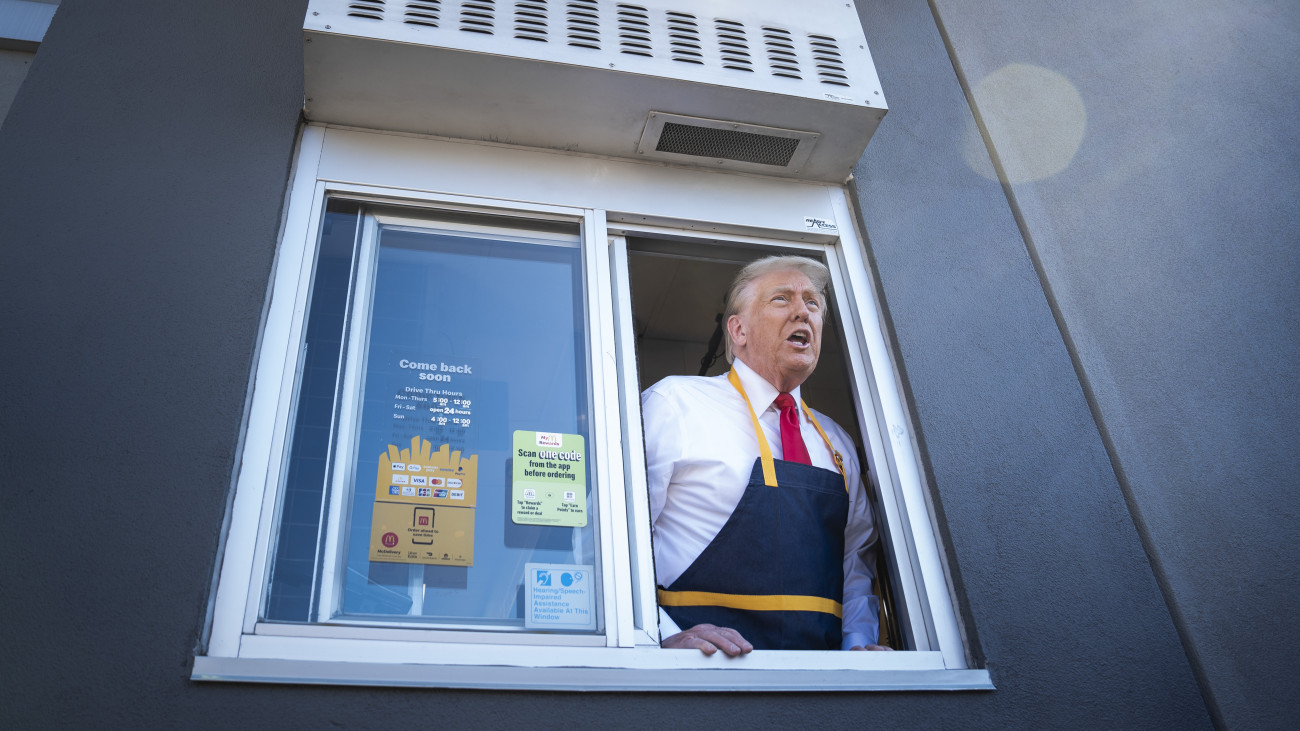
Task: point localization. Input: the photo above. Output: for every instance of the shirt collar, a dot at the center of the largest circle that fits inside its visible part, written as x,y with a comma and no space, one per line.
761,393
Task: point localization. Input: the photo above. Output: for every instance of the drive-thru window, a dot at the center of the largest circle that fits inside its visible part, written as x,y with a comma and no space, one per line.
444,471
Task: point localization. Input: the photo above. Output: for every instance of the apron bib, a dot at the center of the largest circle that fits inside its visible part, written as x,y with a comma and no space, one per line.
775,571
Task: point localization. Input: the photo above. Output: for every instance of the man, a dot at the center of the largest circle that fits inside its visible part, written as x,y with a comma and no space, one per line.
761,526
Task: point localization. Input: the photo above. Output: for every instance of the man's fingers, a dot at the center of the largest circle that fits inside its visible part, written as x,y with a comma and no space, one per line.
724,638
722,642
703,645
741,645
708,639
691,639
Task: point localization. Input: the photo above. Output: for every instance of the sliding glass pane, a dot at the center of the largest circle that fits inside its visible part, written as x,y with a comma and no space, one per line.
295,556
471,495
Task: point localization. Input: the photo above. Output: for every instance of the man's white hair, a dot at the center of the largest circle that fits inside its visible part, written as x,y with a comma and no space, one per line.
741,293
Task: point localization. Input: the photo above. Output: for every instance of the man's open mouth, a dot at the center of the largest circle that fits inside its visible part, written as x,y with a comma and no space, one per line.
798,338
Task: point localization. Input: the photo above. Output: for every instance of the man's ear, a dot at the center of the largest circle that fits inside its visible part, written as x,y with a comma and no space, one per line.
736,329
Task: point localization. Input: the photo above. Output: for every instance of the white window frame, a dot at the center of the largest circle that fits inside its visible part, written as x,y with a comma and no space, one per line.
611,200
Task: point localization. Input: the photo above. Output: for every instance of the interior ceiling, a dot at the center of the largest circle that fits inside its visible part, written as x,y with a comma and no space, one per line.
677,299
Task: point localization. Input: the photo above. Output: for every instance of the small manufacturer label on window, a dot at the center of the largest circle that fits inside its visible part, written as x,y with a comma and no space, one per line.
821,225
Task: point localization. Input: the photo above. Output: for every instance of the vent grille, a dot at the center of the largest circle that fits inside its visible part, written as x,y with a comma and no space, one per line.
583,23
634,30
830,64
478,16
726,144
368,9
427,13
684,38
530,20
647,29
733,46
780,52
759,87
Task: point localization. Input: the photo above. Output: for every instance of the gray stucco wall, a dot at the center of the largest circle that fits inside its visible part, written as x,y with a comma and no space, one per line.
142,173
13,69
1171,243
1058,589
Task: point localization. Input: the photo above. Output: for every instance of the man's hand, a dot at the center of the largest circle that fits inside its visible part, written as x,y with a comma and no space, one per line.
884,648
709,639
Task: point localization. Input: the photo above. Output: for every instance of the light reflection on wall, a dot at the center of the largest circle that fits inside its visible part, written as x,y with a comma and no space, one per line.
1035,119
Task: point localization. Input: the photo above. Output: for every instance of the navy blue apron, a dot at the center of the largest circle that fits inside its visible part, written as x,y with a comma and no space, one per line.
775,571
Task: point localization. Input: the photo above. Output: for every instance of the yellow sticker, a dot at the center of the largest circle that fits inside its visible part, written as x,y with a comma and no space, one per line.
404,533
421,476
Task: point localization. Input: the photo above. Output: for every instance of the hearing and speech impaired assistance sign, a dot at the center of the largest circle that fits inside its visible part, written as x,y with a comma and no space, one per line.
559,596
549,479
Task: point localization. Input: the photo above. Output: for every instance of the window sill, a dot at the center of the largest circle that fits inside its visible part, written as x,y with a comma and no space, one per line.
603,669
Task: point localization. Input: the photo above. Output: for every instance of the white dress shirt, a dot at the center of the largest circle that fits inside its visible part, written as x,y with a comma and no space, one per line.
700,451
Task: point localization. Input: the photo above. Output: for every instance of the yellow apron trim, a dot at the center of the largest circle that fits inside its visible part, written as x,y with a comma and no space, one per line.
751,602
765,451
839,459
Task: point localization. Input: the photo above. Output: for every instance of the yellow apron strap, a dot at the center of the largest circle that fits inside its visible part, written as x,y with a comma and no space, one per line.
764,451
751,602
839,458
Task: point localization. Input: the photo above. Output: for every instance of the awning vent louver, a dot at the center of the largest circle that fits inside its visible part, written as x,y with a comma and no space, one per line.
684,38
583,23
733,46
830,64
634,30
478,16
426,13
367,9
530,20
781,54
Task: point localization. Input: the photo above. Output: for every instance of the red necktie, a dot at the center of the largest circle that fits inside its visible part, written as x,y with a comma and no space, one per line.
792,445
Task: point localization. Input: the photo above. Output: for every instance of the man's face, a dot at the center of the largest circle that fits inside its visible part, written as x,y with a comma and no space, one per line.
778,332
